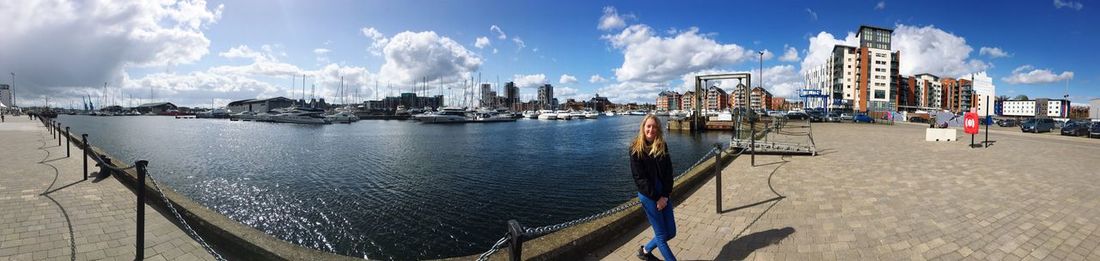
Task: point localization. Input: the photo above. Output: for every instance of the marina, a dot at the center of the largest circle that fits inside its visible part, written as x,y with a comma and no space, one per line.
389,189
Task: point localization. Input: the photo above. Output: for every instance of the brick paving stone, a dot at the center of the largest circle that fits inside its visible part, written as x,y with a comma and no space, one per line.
882,192
48,212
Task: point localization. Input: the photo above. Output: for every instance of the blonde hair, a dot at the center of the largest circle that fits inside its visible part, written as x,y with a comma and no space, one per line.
656,148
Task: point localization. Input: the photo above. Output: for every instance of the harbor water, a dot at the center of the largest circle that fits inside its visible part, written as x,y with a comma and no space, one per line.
390,189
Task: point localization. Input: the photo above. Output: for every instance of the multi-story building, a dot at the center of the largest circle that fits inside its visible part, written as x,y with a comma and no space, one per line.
844,72
984,92
511,95
600,104
1037,108
760,99
546,96
860,78
739,96
777,104
930,92
5,95
687,101
717,99
668,100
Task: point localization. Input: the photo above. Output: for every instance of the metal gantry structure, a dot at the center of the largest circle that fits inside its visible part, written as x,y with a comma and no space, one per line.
698,121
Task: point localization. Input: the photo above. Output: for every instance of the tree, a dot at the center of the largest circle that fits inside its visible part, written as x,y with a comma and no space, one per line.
1002,98
1021,97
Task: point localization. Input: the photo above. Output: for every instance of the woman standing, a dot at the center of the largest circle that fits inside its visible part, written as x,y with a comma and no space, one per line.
652,169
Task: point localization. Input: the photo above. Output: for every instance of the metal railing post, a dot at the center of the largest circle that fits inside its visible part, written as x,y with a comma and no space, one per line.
68,142
58,130
717,179
515,243
140,241
84,139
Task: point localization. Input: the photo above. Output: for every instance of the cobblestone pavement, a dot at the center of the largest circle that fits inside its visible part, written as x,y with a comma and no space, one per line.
48,212
879,192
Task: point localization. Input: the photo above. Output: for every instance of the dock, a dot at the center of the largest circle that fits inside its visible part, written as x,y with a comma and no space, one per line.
49,212
880,192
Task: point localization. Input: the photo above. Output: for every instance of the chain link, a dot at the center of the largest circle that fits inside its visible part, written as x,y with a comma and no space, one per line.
496,247
190,232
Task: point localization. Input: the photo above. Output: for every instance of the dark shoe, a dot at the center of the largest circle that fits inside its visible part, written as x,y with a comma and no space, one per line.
646,256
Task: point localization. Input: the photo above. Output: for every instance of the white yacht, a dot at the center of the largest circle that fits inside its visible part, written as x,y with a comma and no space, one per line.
577,115
342,117
446,115
493,117
609,113
591,115
301,115
564,115
547,115
531,114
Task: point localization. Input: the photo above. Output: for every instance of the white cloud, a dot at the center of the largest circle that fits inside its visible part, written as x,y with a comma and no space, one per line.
1027,74
791,55
768,55
567,79
264,62
821,48
652,58
993,52
500,33
411,56
198,88
519,43
625,92
482,42
322,55
780,80
813,15
564,93
881,5
96,41
529,81
1058,4
494,50
596,78
243,51
611,19
378,40
931,50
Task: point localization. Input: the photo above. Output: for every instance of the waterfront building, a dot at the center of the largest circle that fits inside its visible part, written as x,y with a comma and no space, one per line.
488,96
777,104
5,95
546,97
716,99
511,95
156,107
668,100
737,97
984,91
259,105
1041,107
687,101
408,100
599,104
860,78
1094,109
760,99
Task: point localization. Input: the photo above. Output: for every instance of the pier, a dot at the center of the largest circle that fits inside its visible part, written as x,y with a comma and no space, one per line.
882,192
49,211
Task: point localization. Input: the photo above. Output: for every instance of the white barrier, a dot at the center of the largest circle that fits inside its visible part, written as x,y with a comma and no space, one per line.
932,134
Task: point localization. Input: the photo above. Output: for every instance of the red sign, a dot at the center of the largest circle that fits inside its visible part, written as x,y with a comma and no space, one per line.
970,123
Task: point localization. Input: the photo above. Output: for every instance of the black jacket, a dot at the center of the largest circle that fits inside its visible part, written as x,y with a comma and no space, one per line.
647,169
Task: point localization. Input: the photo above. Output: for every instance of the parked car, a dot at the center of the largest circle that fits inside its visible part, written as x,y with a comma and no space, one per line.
816,116
1094,131
777,114
863,118
1007,123
833,117
797,115
1076,128
1037,125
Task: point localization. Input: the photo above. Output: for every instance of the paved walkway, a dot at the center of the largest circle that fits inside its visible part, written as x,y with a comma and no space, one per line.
881,192
48,212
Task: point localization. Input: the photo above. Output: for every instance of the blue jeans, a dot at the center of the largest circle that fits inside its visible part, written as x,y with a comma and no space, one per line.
664,226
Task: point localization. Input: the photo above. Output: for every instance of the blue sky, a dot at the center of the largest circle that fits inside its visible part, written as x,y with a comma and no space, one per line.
219,51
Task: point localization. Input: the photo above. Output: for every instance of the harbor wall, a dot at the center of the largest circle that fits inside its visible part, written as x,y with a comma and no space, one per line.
230,238
573,243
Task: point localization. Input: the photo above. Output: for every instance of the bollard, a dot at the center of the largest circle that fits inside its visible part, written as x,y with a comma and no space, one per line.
68,142
515,245
58,130
84,138
717,179
140,244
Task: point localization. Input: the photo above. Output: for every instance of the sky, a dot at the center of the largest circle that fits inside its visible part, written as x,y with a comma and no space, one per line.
204,53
